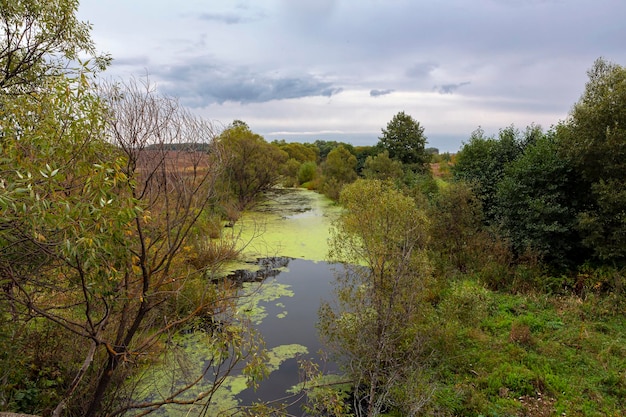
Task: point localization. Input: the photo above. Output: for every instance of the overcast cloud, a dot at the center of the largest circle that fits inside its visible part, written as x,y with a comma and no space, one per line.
340,69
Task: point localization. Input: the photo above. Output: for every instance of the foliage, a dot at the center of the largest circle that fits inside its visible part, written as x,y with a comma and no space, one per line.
252,164
62,210
362,153
338,169
375,328
381,167
596,124
325,146
538,201
307,172
457,228
594,138
482,160
604,225
560,195
38,41
301,152
94,240
421,186
289,172
301,166
405,141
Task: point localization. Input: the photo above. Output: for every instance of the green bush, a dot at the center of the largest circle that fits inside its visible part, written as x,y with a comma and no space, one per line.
467,302
307,172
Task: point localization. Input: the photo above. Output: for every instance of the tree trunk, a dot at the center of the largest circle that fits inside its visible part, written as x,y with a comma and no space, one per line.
103,384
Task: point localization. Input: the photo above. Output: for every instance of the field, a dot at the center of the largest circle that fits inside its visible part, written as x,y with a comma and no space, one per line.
532,354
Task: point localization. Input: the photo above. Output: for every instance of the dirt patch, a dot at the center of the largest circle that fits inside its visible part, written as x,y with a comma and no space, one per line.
538,406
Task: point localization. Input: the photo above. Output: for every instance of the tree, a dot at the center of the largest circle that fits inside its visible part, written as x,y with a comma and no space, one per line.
93,243
96,216
173,191
382,167
594,137
338,169
595,126
374,329
307,172
405,141
54,200
340,165
362,153
325,146
457,226
538,202
299,154
38,40
253,165
481,163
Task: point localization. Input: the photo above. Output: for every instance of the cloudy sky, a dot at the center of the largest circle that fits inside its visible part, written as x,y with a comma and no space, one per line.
340,69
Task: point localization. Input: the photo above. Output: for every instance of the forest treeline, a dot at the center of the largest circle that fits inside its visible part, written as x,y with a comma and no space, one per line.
554,195
488,282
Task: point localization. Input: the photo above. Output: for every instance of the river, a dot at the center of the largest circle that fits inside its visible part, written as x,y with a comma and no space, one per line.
285,242
295,225
290,321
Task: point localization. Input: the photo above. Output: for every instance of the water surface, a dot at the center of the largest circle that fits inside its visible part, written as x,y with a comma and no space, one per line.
285,244
294,224
292,320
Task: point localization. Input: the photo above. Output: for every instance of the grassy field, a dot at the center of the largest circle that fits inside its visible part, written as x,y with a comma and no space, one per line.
530,355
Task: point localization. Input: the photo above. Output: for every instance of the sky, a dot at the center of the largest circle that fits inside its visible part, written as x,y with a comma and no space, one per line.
302,70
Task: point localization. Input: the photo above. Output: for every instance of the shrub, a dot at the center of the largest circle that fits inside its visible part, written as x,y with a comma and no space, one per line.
212,253
467,302
331,188
307,172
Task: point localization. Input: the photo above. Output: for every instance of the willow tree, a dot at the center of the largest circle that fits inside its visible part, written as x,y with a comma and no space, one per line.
253,165
374,327
97,216
338,169
38,40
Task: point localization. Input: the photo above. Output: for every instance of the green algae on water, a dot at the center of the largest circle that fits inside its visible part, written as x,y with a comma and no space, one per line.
293,223
193,351
255,294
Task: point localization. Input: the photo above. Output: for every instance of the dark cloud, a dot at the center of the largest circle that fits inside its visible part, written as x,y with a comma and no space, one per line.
277,49
377,93
421,69
198,85
449,88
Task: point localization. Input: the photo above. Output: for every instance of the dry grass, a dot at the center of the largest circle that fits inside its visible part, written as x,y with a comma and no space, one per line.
210,253
520,334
